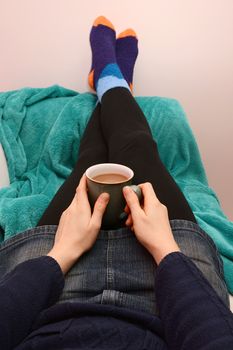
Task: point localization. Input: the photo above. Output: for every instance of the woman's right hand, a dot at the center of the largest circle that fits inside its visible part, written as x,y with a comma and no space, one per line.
150,222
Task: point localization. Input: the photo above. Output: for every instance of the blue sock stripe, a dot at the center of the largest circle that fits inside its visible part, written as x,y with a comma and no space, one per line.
110,77
109,82
111,69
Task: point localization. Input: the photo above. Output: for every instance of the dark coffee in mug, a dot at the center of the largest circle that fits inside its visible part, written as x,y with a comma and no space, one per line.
110,178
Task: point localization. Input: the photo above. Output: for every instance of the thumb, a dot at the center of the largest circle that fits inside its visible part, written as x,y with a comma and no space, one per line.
99,209
132,200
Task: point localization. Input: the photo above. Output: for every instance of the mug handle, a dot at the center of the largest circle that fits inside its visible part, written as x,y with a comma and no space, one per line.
138,192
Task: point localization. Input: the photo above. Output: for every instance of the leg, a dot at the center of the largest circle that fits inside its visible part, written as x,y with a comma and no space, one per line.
92,150
124,126
130,142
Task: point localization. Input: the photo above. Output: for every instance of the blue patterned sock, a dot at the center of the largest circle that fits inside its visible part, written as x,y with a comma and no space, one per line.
105,74
126,54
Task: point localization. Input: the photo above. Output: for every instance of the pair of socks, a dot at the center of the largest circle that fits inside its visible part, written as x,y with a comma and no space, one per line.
113,59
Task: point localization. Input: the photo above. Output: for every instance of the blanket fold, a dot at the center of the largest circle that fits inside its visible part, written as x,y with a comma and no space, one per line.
40,132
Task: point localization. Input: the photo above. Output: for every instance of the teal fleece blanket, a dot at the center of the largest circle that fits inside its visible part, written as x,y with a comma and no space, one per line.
40,131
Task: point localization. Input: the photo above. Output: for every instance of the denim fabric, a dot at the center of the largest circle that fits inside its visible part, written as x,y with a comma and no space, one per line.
118,270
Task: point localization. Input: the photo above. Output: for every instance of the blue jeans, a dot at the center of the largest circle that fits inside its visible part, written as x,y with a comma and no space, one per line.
117,270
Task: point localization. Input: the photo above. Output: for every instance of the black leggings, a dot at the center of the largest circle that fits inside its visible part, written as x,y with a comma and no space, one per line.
118,132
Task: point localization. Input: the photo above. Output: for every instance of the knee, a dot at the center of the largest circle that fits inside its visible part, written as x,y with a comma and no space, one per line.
139,140
139,144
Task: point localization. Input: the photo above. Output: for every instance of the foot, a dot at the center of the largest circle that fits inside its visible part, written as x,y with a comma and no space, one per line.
103,46
105,73
126,54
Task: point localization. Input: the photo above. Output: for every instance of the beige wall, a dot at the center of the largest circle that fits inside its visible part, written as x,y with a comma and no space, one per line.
186,52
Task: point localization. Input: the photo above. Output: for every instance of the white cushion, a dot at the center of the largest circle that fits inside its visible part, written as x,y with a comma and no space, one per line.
231,302
4,175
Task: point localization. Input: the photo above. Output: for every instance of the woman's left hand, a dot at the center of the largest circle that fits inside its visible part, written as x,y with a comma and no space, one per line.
78,228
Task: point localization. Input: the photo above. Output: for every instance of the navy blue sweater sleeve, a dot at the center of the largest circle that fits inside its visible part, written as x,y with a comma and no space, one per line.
28,289
193,315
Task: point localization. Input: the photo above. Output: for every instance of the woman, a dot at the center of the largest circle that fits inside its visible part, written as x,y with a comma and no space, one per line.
124,289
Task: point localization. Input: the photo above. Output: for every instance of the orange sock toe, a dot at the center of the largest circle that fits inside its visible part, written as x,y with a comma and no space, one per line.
104,21
127,32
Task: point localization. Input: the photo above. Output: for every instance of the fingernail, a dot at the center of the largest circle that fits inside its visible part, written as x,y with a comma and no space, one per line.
105,196
126,189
